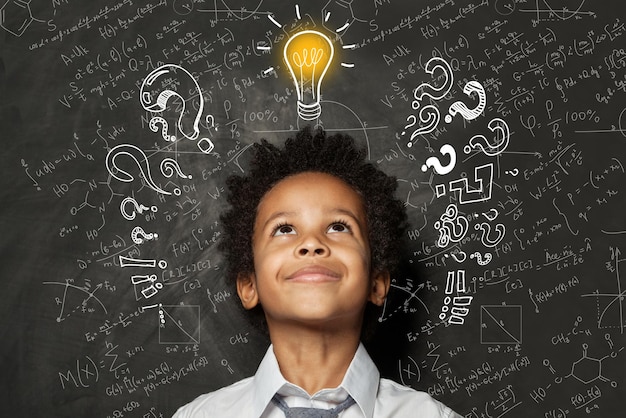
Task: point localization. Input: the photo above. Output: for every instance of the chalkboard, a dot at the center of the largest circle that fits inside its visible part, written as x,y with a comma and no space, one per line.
502,120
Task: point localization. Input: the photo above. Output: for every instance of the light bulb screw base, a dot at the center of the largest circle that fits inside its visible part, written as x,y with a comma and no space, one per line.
309,111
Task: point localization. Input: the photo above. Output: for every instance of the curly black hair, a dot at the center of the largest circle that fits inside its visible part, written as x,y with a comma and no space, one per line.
310,151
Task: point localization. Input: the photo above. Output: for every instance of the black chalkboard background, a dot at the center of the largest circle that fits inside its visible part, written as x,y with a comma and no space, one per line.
517,310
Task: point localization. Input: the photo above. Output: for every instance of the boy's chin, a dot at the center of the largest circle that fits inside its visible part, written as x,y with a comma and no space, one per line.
316,321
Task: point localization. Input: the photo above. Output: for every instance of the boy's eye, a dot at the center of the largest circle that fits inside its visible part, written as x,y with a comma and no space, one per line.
283,230
339,227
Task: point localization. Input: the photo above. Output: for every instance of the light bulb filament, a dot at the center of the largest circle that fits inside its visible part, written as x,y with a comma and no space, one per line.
315,58
309,59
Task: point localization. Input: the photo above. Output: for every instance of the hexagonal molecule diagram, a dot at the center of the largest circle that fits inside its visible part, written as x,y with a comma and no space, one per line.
15,16
589,369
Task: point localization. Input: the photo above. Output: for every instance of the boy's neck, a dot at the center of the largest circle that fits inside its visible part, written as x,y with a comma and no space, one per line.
314,359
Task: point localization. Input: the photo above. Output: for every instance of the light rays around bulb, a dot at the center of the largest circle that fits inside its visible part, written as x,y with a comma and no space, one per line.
299,17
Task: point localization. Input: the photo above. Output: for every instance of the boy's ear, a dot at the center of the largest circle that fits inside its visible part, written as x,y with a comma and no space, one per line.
381,281
246,289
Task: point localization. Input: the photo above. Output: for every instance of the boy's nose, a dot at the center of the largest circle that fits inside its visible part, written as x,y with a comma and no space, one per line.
312,246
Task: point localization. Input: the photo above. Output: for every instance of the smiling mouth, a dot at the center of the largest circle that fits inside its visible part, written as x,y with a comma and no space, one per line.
314,274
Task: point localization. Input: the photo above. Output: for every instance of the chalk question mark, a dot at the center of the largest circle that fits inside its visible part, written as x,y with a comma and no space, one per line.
138,157
429,114
434,162
425,89
154,127
136,206
479,142
451,227
206,145
212,123
139,236
482,260
487,238
410,117
472,87
491,214
458,255
159,104
170,166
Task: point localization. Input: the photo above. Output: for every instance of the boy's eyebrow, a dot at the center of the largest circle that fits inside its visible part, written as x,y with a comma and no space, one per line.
275,216
281,214
342,211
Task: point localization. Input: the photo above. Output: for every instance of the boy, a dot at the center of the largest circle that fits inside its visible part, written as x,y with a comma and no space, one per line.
311,237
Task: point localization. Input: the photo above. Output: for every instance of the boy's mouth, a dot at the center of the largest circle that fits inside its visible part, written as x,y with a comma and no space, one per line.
314,274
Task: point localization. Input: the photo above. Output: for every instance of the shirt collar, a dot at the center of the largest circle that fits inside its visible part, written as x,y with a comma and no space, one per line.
361,381
266,382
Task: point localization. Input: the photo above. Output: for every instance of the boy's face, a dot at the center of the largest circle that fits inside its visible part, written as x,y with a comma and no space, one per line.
312,255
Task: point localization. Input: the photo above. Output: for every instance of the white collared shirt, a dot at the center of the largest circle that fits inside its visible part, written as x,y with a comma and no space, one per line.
375,397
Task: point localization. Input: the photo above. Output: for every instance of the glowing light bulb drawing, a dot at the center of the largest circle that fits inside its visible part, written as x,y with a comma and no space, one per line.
308,55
